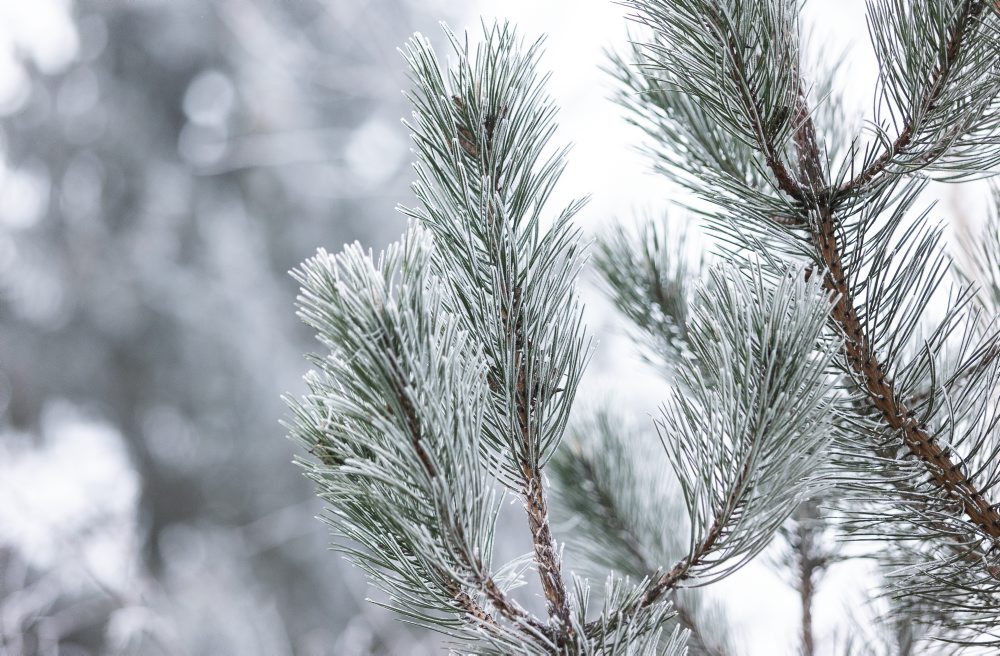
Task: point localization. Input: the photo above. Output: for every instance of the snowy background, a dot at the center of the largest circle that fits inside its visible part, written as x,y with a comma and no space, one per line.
163,163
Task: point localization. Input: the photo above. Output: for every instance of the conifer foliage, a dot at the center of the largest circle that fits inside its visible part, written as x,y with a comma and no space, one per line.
818,397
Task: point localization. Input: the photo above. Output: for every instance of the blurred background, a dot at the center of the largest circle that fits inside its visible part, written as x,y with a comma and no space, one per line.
163,164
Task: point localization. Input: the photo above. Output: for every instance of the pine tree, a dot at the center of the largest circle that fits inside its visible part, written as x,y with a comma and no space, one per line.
820,395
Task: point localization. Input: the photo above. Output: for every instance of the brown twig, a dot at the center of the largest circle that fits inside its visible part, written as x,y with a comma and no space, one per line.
805,598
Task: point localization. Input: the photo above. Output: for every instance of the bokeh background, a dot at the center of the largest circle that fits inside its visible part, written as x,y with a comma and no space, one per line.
163,164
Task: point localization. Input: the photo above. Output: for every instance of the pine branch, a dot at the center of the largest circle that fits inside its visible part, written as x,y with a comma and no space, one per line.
743,430
959,32
512,282
649,278
610,484
484,582
813,195
533,490
697,641
865,363
644,632
764,129
750,100
393,416
720,133
722,519
952,477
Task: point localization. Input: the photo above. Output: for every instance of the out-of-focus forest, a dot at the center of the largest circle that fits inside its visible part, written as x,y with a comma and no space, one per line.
163,164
